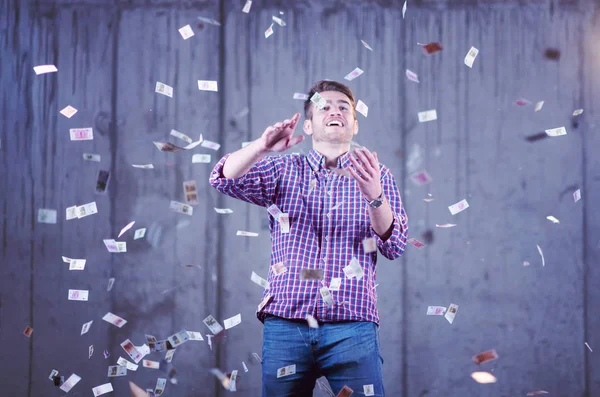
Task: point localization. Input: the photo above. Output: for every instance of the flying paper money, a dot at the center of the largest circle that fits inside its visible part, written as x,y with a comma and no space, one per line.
81,134
369,390
208,85
451,313
412,76
458,207
132,351
245,233
78,295
485,357
91,157
370,245
255,278
28,331
69,383
445,225
535,393
279,21
354,74
483,377
86,210
326,295
421,178
577,112
116,370
179,338
312,322
311,274
436,310
46,215
285,371
86,327
144,166
200,158
522,102
223,211
151,364
232,379
300,96
556,131
428,115
114,320
269,32
195,335
335,284
353,269
362,108
211,145
577,195
470,57
213,325
232,321
538,106
541,254
161,383
139,233
68,112
346,391
42,69
128,365
209,21
247,6
552,219
186,32
366,45
191,192
181,136
279,268
164,89
318,100
432,48
415,242
181,208
169,356
245,367
90,351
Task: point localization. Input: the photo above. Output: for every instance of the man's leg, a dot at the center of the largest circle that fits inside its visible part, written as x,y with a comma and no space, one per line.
348,354
286,343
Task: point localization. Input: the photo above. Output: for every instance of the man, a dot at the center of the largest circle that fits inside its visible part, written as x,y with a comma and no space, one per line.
335,200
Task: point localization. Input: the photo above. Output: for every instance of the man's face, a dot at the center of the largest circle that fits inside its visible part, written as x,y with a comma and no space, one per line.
335,123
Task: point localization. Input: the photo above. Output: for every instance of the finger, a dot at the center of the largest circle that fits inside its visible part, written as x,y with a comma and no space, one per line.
359,168
371,157
295,140
365,164
278,125
355,174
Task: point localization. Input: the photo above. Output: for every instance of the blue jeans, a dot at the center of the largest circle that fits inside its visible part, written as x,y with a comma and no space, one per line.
346,353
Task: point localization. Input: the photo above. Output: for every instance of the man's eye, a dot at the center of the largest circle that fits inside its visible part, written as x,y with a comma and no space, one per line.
343,108
325,107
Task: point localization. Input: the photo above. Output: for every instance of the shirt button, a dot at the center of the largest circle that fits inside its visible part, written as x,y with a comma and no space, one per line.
329,192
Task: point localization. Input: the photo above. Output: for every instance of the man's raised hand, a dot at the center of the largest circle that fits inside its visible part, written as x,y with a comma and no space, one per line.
279,137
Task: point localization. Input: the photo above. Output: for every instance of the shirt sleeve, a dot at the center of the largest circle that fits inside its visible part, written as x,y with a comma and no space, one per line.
394,246
257,186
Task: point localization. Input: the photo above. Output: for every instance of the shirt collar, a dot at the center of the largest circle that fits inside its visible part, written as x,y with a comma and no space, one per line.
317,160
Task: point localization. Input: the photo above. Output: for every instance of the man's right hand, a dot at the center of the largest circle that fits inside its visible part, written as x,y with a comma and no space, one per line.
279,136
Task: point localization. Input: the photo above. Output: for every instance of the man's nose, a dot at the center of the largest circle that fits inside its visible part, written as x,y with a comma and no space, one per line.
335,112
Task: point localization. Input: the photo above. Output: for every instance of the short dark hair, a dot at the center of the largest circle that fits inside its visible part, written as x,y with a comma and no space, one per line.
327,85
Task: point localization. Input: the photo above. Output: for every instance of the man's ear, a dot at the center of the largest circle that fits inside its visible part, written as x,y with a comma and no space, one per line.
307,127
355,127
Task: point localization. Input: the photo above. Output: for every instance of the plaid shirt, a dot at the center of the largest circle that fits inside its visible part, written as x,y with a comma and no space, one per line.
329,220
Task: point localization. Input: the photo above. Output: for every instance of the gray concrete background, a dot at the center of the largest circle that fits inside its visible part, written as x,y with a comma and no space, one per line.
110,55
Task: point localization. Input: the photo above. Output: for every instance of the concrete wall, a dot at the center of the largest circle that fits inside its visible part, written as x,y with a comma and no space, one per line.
110,56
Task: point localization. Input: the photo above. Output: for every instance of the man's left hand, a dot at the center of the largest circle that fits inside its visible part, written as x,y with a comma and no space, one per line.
366,173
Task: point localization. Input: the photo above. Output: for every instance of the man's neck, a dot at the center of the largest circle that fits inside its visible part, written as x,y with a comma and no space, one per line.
331,152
